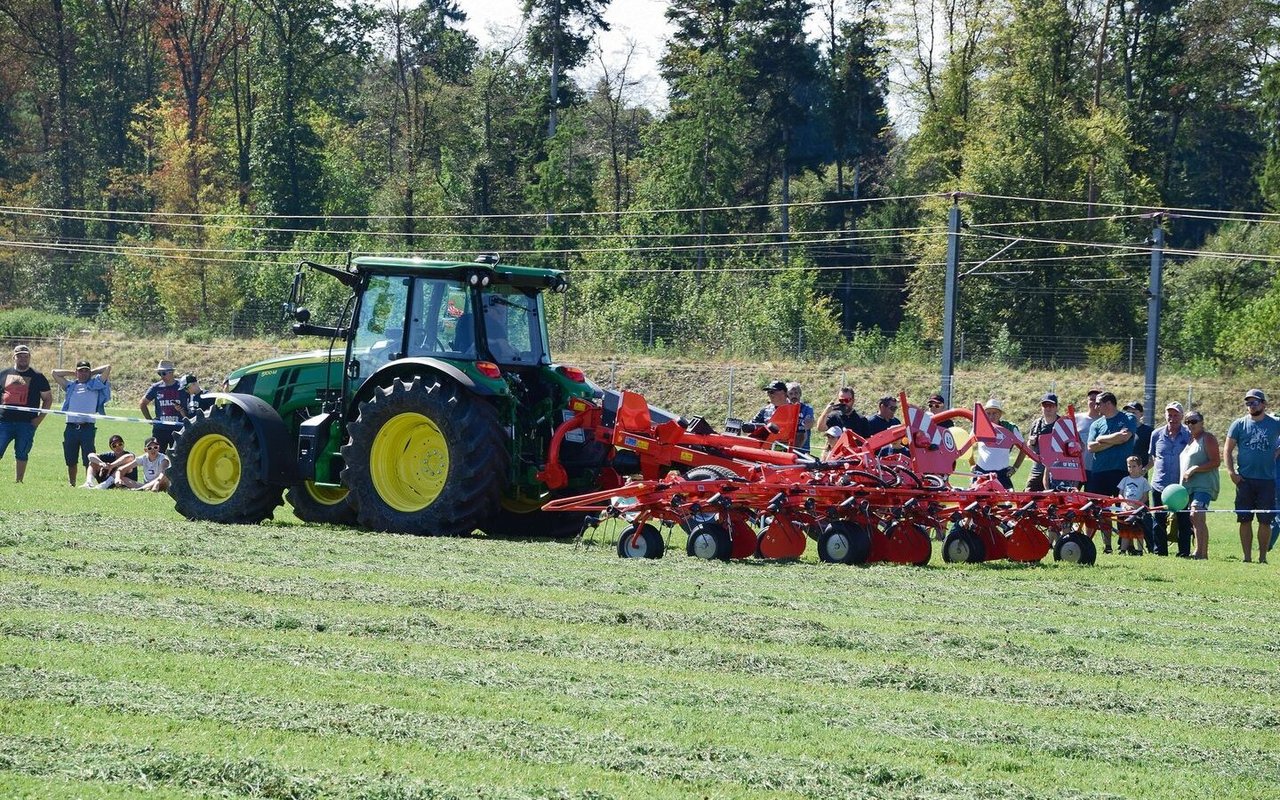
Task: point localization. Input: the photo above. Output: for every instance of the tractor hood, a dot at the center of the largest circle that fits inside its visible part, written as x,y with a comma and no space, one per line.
244,379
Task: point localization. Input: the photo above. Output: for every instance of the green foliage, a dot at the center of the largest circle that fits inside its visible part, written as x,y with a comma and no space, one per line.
28,322
1006,351
1104,357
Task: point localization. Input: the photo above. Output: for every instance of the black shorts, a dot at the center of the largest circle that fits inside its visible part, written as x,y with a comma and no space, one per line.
77,440
1255,493
1105,481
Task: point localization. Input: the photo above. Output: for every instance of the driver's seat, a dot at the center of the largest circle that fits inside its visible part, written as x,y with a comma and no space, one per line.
464,334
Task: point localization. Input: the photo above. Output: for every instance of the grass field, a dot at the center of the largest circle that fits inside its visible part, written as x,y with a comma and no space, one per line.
142,655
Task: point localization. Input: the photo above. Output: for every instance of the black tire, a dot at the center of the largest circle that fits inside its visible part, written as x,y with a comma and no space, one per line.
536,524
962,546
319,504
215,471
710,541
650,545
844,543
456,447
1075,548
711,472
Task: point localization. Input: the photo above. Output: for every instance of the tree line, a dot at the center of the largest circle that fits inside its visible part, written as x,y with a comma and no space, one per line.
164,161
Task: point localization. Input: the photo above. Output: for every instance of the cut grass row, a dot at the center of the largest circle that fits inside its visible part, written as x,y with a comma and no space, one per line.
294,661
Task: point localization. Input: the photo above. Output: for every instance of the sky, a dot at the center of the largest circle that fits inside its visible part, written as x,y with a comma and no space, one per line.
640,21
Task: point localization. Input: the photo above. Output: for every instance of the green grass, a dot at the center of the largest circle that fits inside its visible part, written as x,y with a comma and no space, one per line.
144,655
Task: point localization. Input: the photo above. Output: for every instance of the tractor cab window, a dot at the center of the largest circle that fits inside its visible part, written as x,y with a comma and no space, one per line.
379,335
513,326
442,322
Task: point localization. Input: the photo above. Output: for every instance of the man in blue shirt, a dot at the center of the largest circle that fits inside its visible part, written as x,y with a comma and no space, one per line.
1252,440
1164,454
87,395
1111,442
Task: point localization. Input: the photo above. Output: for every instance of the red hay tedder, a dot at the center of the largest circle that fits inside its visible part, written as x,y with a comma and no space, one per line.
883,498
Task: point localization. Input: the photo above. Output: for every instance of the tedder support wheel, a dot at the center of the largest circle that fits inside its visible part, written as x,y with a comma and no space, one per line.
962,546
216,470
648,545
711,472
320,504
424,456
1075,548
709,540
844,543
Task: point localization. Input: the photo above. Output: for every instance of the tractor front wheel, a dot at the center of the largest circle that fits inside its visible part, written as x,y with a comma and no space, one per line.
424,456
216,470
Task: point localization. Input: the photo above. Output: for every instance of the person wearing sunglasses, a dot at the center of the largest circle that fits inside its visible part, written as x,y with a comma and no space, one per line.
1251,452
153,465
1199,461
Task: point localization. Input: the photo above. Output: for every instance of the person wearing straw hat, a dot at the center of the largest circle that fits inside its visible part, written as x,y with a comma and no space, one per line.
87,391
166,394
22,386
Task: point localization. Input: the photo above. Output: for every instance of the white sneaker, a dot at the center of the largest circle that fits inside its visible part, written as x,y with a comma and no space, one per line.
108,483
88,484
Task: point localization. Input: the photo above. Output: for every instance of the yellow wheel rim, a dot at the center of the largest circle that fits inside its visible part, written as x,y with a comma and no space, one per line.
213,469
409,462
326,495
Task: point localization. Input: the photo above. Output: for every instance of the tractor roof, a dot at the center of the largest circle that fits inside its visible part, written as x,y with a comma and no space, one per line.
500,273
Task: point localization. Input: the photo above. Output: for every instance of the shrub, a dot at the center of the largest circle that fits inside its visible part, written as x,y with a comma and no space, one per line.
27,322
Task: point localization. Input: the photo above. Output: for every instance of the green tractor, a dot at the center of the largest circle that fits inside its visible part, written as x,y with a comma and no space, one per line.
429,413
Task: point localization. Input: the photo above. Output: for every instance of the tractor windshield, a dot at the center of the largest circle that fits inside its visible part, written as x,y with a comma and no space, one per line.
513,326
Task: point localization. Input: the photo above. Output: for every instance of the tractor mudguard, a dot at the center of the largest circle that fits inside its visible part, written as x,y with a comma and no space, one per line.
403,366
279,467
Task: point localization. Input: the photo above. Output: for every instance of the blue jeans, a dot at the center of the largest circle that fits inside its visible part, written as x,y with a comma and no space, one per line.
22,434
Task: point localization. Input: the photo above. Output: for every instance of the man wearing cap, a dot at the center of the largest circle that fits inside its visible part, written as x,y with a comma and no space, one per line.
21,386
1111,442
1165,454
1252,440
1042,427
777,392
995,460
87,392
166,393
938,404
1142,435
192,397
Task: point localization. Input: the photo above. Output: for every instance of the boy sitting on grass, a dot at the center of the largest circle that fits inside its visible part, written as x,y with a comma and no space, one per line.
111,468
1133,491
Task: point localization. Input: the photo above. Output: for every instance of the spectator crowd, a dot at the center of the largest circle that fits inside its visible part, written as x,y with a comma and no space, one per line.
169,403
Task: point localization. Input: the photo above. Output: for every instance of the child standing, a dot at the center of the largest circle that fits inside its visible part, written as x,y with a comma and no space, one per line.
1132,492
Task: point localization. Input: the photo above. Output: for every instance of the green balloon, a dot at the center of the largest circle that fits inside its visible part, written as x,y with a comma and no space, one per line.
1175,497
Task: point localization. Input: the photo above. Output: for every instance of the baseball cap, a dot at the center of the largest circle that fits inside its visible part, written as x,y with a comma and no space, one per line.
835,430
936,398
1049,397
776,386
993,404
1133,405
1256,394
1097,389
189,379
22,348
82,364
1175,405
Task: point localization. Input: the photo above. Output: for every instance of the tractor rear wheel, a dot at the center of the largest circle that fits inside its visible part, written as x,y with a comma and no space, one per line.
320,504
216,470
424,456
